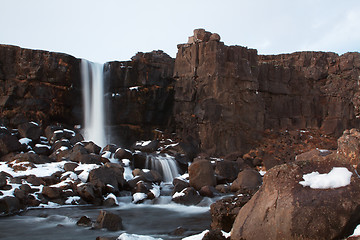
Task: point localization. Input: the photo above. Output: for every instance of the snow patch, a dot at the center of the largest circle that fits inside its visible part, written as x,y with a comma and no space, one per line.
197,236
337,177
111,195
155,190
71,200
25,141
139,197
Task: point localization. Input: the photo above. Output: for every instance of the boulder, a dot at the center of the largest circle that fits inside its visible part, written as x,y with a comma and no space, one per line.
9,205
30,130
9,143
84,221
108,220
248,180
201,173
208,191
121,153
51,192
3,179
108,174
146,146
284,208
92,147
349,146
89,193
214,235
228,170
223,212
188,196
179,185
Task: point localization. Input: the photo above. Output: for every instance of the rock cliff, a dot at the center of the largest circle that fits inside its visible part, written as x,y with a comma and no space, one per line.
226,96
217,98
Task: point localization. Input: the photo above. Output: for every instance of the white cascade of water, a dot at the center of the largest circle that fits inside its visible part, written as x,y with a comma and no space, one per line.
92,78
164,164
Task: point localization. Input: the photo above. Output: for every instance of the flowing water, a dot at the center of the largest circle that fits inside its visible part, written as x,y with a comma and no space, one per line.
166,165
153,218
92,77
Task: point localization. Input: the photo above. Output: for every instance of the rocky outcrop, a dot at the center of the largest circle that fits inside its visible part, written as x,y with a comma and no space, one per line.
285,209
225,96
38,85
140,94
218,99
216,103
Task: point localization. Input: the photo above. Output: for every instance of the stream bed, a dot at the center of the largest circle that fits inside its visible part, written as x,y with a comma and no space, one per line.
157,219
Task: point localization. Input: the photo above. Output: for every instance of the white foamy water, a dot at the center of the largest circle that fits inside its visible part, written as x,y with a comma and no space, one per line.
164,164
92,77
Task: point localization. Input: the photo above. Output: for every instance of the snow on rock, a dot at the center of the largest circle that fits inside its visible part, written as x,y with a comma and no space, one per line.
111,195
25,141
72,200
127,236
83,176
337,177
40,170
197,236
155,190
143,143
42,145
137,197
179,194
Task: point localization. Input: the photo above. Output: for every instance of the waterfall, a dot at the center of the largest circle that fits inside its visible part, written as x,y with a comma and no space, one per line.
166,165
92,78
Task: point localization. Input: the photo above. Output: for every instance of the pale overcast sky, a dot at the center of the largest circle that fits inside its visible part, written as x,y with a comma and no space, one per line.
108,30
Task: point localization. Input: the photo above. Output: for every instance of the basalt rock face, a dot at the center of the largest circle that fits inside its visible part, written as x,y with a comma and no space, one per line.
226,95
140,94
38,85
311,90
216,102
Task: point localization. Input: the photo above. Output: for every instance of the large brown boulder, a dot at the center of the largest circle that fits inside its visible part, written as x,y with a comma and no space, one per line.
110,173
108,220
201,173
248,180
285,209
349,146
224,211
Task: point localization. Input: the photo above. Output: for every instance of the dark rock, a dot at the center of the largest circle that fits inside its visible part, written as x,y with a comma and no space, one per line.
283,208
188,196
9,143
139,160
178,231
70,167
110,148
92,147
201,173
179,185
89,193
146,146
224,211
76,139
3,181
84,221
42,149
108,174
34,180
214,235
108,220
30,130
121,153
9,205
109,202
32,158
247,180
208,191
54,133
51,192
228,170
